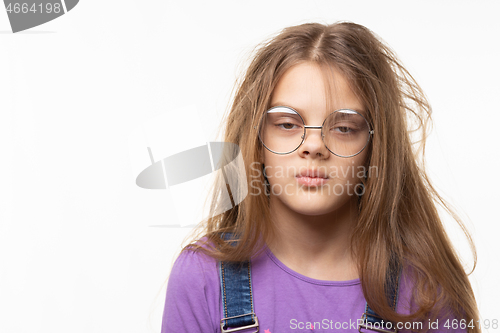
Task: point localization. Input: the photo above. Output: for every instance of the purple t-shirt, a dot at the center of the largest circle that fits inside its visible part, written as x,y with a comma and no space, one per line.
284,300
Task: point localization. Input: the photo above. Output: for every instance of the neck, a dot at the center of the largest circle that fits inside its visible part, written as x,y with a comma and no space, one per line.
315,246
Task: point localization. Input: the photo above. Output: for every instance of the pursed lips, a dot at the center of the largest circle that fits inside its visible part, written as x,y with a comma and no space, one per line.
311,177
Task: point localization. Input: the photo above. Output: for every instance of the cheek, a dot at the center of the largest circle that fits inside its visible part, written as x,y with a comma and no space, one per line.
349,169
269,167
360,169
277,168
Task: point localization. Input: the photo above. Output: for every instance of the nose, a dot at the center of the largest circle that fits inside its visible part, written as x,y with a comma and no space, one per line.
313,145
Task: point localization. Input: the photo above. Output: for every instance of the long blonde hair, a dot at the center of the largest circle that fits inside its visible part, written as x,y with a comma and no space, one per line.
398,217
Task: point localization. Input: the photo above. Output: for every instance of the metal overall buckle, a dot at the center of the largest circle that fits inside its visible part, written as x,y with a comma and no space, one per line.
371,327
254,325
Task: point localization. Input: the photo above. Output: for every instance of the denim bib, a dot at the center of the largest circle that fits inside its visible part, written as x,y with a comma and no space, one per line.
236,290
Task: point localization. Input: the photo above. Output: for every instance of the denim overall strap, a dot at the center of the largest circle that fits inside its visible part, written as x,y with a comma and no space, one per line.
371,320
236,289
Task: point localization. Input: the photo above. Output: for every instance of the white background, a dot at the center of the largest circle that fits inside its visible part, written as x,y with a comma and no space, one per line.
78,252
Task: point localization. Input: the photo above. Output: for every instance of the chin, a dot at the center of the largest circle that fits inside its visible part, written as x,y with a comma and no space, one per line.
312,206
307,211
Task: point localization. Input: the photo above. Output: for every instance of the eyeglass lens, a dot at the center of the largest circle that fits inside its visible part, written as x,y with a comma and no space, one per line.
345,132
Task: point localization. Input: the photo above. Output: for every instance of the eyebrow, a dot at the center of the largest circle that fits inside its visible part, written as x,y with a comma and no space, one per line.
301,111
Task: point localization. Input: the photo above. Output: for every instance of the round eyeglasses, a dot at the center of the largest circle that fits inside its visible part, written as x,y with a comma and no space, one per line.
345,132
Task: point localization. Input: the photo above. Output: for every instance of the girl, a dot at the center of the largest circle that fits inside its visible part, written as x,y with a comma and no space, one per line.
339,229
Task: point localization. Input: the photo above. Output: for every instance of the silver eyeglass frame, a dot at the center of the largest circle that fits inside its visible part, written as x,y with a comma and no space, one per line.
370,131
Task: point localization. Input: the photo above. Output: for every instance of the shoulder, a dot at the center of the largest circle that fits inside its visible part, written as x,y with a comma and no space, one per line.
193,294
192,264
409,287
194,267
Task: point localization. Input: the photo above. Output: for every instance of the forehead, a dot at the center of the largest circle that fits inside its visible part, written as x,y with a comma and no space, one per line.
313,90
